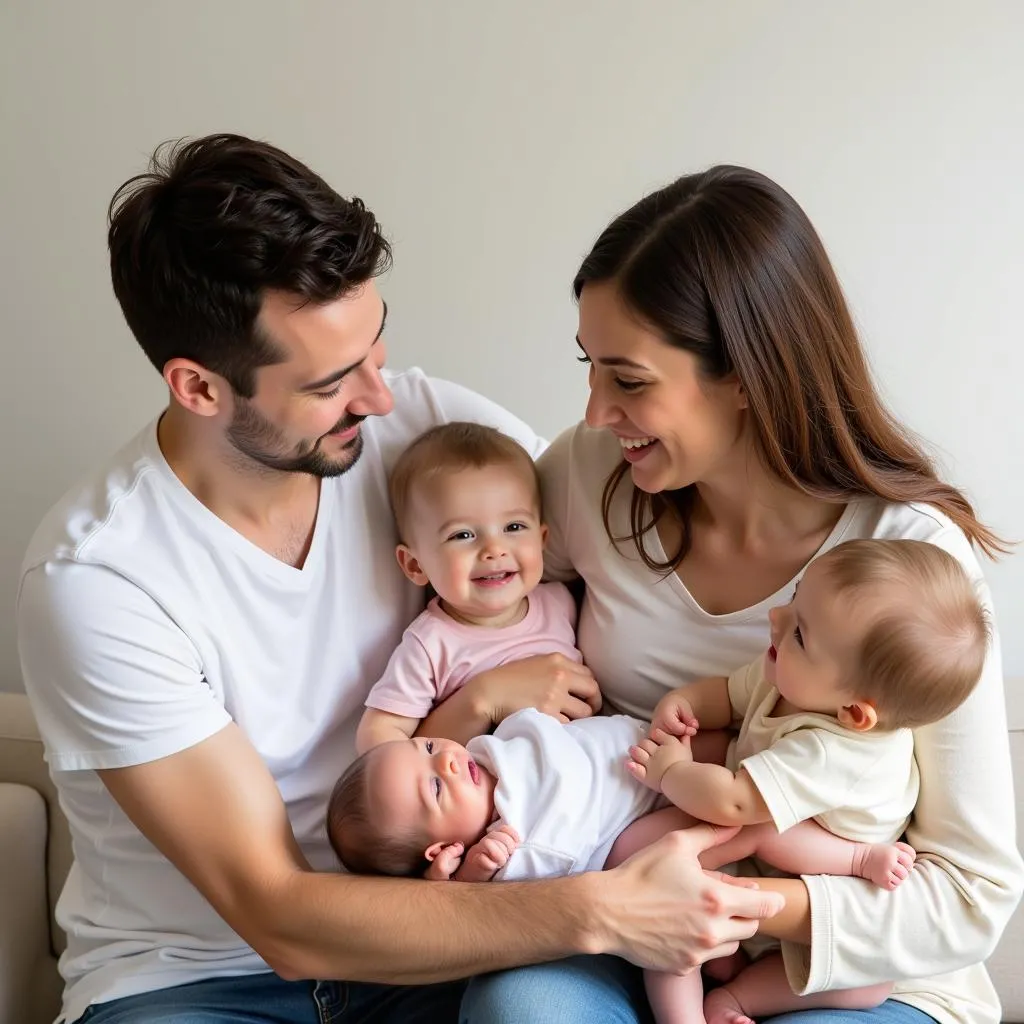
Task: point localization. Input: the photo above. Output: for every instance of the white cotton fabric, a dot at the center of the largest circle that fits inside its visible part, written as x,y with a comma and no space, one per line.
563,788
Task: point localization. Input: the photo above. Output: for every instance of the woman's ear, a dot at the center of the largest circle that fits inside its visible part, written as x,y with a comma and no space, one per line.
859,716
409,564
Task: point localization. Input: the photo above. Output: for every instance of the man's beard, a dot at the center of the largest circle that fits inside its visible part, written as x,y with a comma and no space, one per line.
255,437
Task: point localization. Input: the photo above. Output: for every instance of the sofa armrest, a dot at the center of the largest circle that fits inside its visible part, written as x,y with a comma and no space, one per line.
21,763
29,984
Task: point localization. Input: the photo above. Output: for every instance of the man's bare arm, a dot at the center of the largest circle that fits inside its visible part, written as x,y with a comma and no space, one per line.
215,812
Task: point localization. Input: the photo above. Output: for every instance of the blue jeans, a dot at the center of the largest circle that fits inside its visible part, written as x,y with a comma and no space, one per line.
581,990
605,990
267,999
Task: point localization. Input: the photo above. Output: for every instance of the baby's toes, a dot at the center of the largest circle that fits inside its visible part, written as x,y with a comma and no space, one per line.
906,855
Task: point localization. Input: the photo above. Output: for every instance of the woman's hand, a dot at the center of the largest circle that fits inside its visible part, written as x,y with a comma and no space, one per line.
674,715
551,683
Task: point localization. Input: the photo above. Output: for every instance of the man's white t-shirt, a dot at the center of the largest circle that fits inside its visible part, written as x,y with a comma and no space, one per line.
563,788
146,624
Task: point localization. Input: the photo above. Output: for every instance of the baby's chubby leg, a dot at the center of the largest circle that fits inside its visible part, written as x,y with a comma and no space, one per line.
762,990
674,999
809,849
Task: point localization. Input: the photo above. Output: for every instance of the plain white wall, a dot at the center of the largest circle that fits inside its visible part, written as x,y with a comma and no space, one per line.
494,141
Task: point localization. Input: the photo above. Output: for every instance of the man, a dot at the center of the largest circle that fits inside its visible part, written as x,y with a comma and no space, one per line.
200,622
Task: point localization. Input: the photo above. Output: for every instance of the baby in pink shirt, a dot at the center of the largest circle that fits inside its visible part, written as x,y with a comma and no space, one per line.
467,503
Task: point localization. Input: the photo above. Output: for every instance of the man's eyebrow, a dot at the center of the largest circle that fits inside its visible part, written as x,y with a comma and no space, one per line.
615,360
333,378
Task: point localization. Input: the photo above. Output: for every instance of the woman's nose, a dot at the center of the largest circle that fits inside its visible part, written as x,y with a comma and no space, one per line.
596,414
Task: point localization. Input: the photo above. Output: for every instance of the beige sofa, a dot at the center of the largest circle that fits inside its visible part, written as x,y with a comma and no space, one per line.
35,853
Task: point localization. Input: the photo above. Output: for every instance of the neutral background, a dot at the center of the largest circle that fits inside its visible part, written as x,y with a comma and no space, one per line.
495,140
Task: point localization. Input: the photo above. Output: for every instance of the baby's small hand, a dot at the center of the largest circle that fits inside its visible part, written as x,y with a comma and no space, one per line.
484,859
445,864
651,758
674,715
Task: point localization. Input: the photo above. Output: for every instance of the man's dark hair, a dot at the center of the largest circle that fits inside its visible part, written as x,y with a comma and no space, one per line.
197,240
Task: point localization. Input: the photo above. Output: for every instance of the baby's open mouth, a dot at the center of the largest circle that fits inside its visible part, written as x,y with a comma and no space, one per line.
474,773
494,579
772,653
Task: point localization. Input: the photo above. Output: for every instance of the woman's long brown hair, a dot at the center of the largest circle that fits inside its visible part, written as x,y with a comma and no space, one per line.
726,265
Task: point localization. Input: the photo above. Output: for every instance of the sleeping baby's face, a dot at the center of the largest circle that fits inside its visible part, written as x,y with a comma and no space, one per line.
432,787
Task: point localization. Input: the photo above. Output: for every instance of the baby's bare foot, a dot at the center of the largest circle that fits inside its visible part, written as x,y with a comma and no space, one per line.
721,1007
885,864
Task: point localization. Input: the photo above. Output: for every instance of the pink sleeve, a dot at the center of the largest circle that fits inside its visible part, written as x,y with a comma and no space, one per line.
409,684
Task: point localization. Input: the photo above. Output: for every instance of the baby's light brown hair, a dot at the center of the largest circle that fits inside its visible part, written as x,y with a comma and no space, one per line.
449,448
928,634
362,846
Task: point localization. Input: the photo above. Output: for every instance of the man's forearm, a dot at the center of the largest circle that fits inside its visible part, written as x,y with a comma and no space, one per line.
410,931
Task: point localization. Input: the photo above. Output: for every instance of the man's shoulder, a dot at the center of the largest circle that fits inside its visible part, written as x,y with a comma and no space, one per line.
79,519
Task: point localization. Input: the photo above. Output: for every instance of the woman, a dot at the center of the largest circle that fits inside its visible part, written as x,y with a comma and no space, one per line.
733,433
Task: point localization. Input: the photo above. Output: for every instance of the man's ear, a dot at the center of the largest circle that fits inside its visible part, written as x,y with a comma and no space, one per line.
196,388
860,716
409,564
433,850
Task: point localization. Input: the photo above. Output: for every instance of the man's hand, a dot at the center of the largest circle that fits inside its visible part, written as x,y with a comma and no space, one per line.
673,915
484,859
551,683
652,757
674,715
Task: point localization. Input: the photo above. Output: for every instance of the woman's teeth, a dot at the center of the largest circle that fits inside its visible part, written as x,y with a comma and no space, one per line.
629,443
